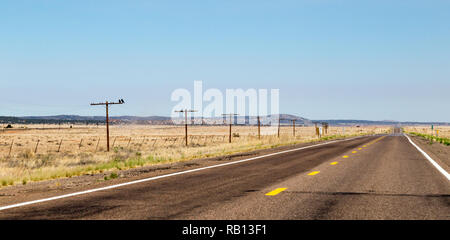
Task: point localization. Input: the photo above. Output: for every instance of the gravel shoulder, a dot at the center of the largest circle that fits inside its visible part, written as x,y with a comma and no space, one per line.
437,151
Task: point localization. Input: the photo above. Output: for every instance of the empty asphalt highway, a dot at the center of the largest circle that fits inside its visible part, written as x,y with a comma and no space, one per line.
373,177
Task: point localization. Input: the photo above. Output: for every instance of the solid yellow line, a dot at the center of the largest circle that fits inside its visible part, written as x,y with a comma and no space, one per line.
333,163
313,173
275,192
359,148
345,156
354,152
365,146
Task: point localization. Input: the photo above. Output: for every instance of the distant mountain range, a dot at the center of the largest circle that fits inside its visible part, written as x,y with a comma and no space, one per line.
93,118
76,119
284,119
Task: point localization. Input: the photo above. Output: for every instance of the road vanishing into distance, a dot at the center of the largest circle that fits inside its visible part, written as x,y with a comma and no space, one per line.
372,177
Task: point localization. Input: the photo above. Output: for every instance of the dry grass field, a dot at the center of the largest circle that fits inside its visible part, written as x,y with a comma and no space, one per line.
443,131
39,152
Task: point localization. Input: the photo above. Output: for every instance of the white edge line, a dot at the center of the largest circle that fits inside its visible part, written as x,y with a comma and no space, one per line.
435,164
163,176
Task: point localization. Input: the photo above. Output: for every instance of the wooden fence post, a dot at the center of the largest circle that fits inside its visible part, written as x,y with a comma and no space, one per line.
60,143
97,144
10,148
142,144
37,144
114,142
129,142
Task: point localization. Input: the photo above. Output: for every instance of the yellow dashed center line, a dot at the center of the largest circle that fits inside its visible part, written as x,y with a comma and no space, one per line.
275,192
313,173
278,190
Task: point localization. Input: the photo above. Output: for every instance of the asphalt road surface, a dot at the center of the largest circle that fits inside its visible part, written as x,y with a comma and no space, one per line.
374,177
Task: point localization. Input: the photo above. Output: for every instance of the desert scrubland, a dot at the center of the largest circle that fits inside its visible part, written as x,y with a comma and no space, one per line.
39,152
440,134
439,131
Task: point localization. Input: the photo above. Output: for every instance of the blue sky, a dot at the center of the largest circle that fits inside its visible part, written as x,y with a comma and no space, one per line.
331,59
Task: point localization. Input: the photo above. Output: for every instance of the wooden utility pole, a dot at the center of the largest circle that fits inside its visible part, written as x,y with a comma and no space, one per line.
231,123
325,127
293,127
186,122
107,117
279,122
259,128
317,129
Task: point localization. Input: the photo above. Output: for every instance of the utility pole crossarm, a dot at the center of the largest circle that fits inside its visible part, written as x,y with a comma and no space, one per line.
186,111
108,103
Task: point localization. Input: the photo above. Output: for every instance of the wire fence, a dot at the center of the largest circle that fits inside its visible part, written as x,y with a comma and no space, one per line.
12,145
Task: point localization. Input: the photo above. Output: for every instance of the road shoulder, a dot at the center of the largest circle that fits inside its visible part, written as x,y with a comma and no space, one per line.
440,153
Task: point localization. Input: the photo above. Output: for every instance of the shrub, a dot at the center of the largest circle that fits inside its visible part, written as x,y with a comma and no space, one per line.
113,175
431,138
